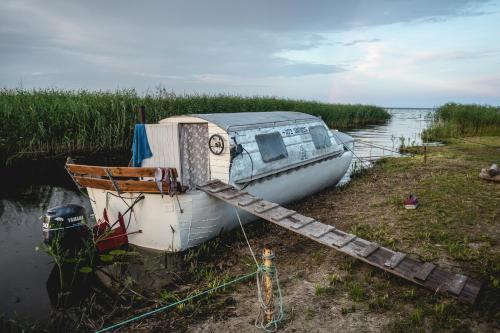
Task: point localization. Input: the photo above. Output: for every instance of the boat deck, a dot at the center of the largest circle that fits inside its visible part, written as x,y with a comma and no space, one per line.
423,273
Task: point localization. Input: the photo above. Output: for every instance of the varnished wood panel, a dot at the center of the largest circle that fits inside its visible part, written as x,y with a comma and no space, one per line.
123,185
100,171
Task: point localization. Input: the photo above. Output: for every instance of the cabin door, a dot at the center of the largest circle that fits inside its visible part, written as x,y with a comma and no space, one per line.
164,143
194,154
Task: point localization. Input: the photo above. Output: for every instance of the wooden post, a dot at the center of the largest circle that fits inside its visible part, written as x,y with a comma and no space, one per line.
142,114
268,257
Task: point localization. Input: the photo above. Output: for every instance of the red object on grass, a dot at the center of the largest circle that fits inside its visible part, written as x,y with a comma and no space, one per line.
107,238
411,202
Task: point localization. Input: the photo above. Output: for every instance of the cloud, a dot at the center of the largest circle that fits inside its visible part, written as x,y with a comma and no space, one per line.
361,41
299,69
451,56
198,43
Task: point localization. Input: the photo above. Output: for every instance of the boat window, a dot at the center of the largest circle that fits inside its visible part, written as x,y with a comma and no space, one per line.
271,146
320,136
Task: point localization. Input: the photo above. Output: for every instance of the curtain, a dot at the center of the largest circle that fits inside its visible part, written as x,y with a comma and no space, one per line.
194,154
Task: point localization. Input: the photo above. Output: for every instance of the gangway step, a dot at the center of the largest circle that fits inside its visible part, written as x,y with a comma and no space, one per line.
423,273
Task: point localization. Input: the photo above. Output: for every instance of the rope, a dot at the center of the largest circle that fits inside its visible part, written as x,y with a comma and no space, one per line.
345,146
168,306
78,185
130,207
271,326
251,172
246,239
381,147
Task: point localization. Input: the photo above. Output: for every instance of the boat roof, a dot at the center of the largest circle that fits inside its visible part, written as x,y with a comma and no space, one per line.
227,120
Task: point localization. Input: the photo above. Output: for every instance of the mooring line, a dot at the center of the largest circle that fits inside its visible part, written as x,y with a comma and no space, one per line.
187,299
351,150
380,147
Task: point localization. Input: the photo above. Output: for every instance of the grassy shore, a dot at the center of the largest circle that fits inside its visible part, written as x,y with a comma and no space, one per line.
458,120
455,227
50,122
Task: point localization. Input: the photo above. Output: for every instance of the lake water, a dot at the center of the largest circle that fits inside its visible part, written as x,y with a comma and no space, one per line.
25,281
405,126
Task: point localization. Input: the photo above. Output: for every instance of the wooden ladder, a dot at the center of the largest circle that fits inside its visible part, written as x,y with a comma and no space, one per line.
423,273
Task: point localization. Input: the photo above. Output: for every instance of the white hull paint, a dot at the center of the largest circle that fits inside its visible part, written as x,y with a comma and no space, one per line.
163,226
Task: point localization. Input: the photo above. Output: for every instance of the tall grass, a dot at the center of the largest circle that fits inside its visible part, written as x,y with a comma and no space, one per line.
49,122
460,120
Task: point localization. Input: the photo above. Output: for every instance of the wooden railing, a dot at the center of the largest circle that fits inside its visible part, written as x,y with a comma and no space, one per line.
119,179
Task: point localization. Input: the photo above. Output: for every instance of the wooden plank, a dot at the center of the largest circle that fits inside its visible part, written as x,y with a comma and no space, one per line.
321,231
300,221
311,228
132,172
406,268
395,260
372,247
355,247
124,185
344,240
91,170
100,171
229,193
248,201
233,195
220,188
265,206
456,285
275,212
210,182
470,291
379,257
316,229
104,184
141,186
424,271
283,215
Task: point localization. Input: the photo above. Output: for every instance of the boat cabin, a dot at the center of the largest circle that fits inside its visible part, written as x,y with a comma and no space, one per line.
238,147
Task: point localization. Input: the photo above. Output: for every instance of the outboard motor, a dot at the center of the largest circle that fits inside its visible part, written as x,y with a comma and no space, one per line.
66,224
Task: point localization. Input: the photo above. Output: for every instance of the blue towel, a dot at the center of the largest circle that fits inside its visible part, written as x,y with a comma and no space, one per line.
140,146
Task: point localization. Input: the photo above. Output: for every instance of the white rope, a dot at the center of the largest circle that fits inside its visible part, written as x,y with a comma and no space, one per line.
259,290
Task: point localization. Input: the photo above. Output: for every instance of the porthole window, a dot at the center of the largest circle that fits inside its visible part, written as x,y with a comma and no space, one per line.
271,146
320,136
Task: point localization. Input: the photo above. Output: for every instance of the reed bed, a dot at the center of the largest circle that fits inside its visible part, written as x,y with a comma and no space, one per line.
51,122
461,120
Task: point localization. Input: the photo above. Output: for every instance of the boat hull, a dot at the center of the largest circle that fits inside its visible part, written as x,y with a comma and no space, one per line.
177,223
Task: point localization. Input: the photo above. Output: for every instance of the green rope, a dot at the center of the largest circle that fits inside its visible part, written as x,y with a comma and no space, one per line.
243,277
272,326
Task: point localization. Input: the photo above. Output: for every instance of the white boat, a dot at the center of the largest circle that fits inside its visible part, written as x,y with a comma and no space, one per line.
278,156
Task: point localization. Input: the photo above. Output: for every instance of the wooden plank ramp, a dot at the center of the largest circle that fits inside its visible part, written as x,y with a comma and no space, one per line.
423,273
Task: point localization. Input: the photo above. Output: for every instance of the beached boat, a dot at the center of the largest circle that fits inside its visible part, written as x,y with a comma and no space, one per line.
278,156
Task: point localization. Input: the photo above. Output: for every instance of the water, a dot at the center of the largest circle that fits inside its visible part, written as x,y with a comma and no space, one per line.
405,126
25,281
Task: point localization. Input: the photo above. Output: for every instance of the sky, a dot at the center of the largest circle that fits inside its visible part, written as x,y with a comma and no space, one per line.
387,52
